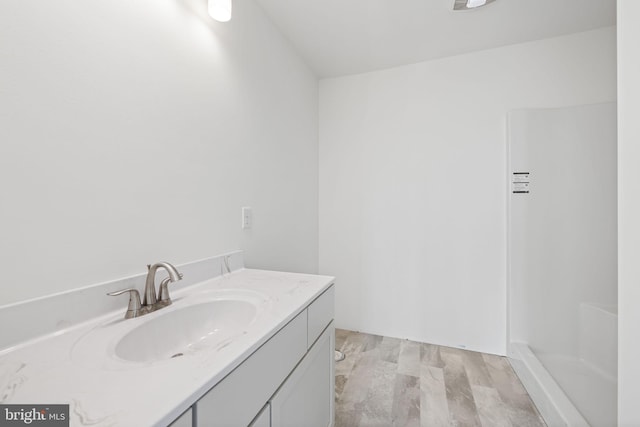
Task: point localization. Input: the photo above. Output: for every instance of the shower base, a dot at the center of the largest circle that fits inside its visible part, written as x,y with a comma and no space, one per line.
551,378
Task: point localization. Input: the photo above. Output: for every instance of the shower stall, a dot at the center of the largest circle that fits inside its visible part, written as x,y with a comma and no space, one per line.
562,249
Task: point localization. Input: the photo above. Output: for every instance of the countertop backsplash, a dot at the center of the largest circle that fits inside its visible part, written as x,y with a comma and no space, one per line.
38,317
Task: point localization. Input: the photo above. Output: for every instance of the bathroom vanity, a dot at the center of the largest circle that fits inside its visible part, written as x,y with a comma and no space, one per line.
244,348
288,381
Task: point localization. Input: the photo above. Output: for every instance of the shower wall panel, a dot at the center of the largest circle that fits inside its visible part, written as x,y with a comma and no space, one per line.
563,247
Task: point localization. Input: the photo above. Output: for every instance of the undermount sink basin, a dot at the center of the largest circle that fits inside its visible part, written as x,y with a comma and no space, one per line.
188,329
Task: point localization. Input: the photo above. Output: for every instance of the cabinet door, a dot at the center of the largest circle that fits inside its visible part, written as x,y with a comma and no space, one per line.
306,398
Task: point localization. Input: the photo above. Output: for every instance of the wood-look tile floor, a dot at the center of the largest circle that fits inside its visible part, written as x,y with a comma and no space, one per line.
385,382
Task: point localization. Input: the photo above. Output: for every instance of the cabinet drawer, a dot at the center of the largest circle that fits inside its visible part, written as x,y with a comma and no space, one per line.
320,315
183,420
237,399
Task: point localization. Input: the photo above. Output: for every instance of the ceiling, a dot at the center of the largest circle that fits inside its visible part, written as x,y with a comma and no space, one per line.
338,37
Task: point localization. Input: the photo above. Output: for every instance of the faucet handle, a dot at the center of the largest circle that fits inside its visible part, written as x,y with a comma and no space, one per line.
134,308
163,294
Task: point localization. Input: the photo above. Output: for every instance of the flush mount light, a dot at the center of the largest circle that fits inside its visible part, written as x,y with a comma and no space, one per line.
470,4
220,10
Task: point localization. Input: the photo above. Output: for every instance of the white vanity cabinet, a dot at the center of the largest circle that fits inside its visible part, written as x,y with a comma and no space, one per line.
288,381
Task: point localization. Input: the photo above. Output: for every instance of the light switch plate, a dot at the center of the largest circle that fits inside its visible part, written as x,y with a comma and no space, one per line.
247,218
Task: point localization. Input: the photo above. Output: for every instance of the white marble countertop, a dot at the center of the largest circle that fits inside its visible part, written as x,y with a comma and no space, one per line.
77,366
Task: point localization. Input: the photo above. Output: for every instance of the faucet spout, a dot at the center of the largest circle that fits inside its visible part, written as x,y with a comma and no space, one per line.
150,286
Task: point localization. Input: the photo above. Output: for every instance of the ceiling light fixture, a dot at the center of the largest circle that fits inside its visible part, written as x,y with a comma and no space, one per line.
220,10
470,4
476,3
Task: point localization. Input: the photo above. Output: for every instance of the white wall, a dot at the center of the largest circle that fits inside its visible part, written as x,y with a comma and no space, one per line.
413,180
628,213
134,131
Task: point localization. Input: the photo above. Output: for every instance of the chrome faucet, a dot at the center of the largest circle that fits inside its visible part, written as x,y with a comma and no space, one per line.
150,285
151,302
